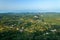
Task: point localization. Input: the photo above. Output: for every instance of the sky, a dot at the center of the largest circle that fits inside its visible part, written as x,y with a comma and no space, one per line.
30,5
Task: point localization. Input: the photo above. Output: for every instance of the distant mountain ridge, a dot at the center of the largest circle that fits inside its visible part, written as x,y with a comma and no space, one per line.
19,11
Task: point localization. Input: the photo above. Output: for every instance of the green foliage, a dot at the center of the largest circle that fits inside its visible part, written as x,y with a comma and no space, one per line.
30,26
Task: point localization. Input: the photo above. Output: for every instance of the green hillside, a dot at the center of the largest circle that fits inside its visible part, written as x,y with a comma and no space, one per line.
30,26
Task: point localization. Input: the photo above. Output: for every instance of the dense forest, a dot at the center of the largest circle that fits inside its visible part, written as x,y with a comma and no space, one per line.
30,26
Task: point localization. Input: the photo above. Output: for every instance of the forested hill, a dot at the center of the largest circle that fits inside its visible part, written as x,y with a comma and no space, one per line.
30,26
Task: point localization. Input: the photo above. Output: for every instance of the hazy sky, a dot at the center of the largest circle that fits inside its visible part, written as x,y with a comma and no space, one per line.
43,5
